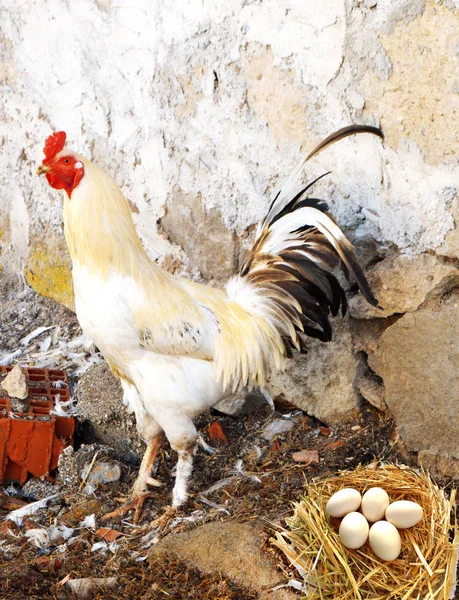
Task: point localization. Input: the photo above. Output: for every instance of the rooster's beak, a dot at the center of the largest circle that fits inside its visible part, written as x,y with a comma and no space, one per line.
42,169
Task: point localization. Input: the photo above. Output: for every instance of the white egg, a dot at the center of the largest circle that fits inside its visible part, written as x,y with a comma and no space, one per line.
385,540
343,502
404,513
374,504
353,530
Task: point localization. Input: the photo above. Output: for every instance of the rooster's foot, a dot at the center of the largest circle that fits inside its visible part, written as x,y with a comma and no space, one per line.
136,503
140,490
161,524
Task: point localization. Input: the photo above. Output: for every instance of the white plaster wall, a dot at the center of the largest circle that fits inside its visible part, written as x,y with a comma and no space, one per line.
218,99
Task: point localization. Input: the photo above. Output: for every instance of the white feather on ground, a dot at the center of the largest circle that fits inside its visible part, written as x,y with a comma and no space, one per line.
55,351
64,409
38,537
30,509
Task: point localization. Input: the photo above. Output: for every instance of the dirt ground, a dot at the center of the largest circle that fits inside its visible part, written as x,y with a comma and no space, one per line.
271,481
246,479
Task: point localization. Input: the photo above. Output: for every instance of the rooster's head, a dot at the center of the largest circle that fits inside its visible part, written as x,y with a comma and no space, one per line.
63,170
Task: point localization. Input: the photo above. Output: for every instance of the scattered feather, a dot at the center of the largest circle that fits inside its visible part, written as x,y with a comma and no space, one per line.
99,546
59,385
39,537
56,532
45,344
113,547
293,583
35,333
238,470
83,588
89,522
218,507
30,509
7,359
103,547
64,409
218,485
195,517
151,538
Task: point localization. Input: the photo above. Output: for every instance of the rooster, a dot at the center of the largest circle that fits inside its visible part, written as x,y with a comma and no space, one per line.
177,346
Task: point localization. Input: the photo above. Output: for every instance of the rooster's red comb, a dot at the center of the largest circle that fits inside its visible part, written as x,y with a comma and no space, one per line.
54,144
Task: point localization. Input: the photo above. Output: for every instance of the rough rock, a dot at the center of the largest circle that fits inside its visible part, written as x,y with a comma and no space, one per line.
74,465
231,548
275,428
418,358
372,389
450,246
100,402
22,312
440,464
84,588
240,405
103,472
212,247
403,283
322,382
36,489
14,383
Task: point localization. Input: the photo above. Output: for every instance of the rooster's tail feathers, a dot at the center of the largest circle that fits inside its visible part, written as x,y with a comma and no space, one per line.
289,269
284,195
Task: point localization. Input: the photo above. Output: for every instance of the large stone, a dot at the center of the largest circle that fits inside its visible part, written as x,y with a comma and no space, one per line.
439,464
202,234
233,549
403,283
100,401
322,382
418,359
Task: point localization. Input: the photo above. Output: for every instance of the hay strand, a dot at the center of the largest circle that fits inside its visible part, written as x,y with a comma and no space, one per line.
425,570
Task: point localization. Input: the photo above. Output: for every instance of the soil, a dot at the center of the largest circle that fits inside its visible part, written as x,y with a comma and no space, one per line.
259,489
272,481
22,311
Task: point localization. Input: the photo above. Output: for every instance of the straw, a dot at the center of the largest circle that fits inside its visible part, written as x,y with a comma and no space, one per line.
425,569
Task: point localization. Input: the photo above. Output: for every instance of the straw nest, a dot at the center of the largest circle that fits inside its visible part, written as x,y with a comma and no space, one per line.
425,568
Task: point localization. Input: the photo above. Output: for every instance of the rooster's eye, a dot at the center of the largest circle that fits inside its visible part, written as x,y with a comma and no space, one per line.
66,160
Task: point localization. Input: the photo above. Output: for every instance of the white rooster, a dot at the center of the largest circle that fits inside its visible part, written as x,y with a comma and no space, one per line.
178,346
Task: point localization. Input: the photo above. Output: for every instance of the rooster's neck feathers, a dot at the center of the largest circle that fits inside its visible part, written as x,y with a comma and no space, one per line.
99,229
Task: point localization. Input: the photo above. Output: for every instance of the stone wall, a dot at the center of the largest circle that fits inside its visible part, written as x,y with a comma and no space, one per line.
199,109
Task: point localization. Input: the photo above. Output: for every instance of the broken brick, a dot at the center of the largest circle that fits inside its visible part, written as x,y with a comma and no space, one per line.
216,432
31,442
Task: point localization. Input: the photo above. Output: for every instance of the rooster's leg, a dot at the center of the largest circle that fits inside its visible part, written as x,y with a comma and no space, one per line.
140,491
184,469
180,493
144,477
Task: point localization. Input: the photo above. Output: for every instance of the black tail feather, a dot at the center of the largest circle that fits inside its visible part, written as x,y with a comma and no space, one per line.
296,272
